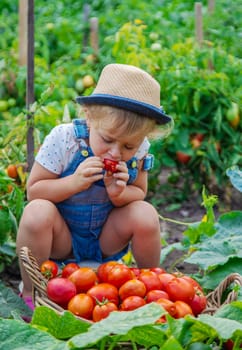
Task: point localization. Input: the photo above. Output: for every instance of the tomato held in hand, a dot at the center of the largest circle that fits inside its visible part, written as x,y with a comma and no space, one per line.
81,305
132,287
68,269
110,165
102,310
180,289
83,278
131,303
49,269
104,291
60,290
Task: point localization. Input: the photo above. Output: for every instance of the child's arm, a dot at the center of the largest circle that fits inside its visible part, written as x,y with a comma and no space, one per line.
46,185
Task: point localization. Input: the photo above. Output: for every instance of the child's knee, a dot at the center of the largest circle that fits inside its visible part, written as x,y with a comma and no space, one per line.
37,212
146,216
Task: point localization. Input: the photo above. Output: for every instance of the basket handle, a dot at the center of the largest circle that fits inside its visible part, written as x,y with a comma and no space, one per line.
214,298
32,268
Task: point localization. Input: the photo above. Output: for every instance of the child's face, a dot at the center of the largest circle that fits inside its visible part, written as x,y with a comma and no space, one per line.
113,144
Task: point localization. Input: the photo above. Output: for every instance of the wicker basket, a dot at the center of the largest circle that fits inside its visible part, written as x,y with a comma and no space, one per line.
39,283
214,299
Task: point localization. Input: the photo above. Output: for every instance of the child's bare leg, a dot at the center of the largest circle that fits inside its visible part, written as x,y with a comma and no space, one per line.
137,222
45,233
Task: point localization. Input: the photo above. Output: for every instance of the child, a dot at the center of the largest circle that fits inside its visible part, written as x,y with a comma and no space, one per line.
76,207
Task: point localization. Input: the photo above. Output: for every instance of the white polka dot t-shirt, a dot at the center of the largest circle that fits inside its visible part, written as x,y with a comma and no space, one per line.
60,146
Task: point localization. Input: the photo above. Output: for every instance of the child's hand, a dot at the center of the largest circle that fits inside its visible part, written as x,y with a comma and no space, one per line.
116,182
89,171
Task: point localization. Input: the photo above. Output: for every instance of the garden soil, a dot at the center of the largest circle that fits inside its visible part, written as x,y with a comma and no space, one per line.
189,211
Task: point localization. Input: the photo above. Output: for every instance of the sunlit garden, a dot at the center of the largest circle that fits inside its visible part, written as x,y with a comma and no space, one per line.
193,49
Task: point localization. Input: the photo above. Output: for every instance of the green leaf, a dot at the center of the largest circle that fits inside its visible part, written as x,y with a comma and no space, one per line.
147,336
118,322
213,278
19,335
225,328
172,344
60,326
6,224
235,175
232,311
11,304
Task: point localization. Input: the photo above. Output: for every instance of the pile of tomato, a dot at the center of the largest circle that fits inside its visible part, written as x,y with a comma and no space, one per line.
93,294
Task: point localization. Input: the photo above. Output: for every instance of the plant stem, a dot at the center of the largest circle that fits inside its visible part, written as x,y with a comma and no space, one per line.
174,221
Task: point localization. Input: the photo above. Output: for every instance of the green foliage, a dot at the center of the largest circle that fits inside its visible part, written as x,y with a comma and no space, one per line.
123,329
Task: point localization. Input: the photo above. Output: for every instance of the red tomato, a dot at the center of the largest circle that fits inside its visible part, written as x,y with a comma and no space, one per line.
136,271
110,165
132,287
195,142
156,294
180,289
198,303
119,274
182,157
103,269
164,279
81,305
168,305
157,270
83,278
104,291
60,290
150,279
182,309
195,284
101,311
49,269
131,303
68,269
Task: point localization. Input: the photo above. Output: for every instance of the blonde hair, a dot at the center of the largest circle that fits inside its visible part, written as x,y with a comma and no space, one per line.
125,121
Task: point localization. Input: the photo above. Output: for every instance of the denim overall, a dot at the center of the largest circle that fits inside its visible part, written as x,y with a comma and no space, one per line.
86,212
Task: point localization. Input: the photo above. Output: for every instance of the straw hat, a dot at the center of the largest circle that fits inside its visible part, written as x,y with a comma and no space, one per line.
129,88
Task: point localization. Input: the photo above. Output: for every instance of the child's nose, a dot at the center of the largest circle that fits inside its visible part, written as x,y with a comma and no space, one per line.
115,152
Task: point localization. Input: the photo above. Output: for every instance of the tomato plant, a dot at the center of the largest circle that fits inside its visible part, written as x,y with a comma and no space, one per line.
81,305
132,287
68,269
102,310
83,278
60,290
12,171
104,291
132,302
49,269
